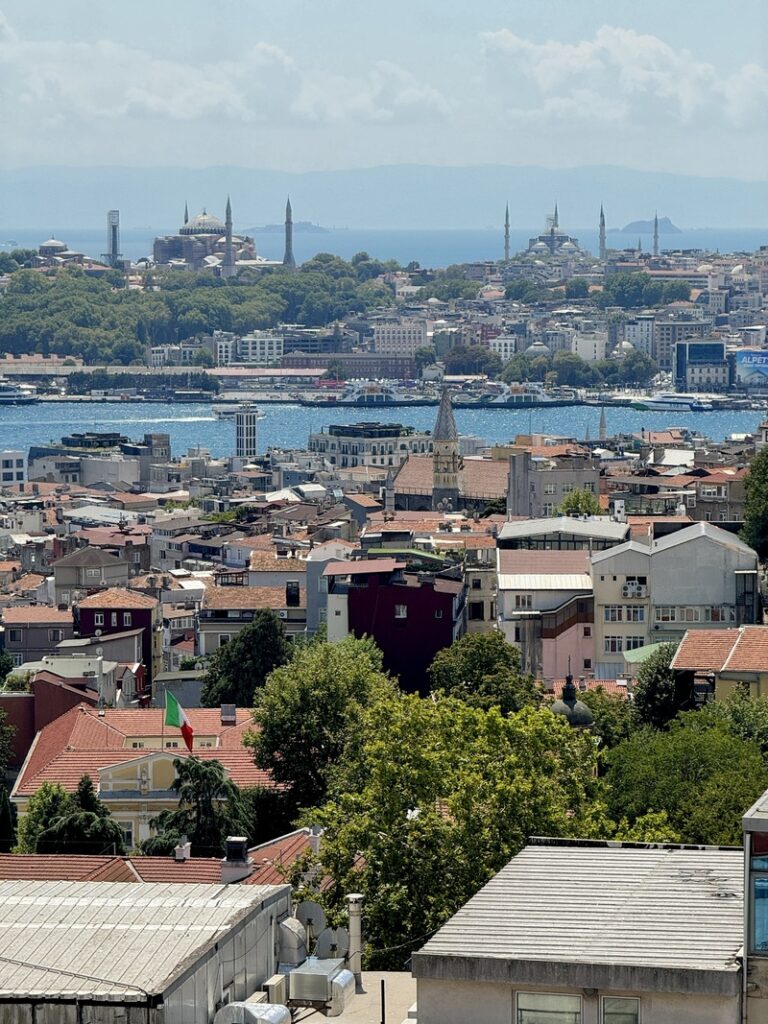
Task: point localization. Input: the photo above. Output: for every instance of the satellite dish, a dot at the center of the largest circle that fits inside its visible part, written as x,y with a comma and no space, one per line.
99,651
332,943
312,916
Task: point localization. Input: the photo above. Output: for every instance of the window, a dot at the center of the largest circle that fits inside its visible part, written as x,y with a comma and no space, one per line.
171,743
613,644
477,584
621,1010
126,827
549,488
475,611
634,613
138,744
641,581
98,619
587,663
126,618
613,613
438,613
55,635
631,643
93,574
587,631
548,509
401,611
523,600
542,1008
224,638
113,618
14,636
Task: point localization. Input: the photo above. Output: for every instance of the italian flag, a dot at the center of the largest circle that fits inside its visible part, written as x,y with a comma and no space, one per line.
176,715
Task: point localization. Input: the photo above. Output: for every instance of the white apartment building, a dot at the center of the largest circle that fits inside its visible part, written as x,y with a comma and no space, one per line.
505,346
395,336
13,466
639,332
591,346
260,348
700,576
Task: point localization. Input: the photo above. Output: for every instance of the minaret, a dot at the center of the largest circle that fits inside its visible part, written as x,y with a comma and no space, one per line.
602,428
556,220
389,491
445,458
639,246
506,235
603,248
656,234
289,259
186,212
228,267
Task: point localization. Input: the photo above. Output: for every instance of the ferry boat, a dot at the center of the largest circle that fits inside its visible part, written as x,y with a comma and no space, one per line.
13,394
673,401
517,396
369,393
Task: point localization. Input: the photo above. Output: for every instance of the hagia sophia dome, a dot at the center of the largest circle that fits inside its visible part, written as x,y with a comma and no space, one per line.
203,224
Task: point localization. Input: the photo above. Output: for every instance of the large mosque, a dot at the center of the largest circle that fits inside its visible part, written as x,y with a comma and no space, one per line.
204,242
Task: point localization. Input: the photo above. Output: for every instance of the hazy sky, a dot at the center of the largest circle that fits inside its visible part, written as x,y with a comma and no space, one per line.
667,85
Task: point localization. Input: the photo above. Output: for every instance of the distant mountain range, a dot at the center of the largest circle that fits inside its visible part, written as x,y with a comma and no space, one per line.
635,227
398,196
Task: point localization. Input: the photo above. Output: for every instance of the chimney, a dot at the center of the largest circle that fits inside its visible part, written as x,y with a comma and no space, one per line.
354,960
314,838
228,714
235,864
184,850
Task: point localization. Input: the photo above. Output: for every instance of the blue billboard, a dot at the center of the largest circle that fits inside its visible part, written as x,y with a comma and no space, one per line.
752,367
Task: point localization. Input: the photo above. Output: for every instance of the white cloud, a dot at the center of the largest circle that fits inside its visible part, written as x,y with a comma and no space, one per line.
619,75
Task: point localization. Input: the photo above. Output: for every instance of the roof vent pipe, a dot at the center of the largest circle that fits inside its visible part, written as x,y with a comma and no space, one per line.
355,958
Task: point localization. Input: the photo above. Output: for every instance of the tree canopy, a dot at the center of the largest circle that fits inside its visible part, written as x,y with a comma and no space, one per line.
310,710
61,822
238,669
581,502
659,696
483,670
755,529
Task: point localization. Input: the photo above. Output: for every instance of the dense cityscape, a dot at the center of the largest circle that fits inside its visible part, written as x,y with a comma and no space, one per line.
378,639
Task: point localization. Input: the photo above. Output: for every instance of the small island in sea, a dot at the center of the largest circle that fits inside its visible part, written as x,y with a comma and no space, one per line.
300,227
666,227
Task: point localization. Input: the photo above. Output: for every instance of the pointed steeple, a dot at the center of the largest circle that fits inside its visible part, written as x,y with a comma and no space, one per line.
506,235
639,245
656,234
228,268
289,259
603,246
445,426
602,428
556,219
186,212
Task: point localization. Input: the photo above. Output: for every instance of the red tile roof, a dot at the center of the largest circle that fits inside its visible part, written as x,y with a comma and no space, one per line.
479,478
118,597
750,652
609,685
222,598
363,566
705,649
272,860
521,561
21,615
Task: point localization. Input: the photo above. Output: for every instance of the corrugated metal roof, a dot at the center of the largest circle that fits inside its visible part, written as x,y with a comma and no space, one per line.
638,912
594,526
112,940
545,581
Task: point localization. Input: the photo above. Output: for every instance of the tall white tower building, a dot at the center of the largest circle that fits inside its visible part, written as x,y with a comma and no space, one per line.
246,437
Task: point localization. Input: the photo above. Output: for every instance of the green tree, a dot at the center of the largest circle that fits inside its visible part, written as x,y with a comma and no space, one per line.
83,825
209,809
613,714
238,669
7,732
576,288
652,827
424,357
45,805
659,696
702,778
580,502
6,665
755,529
309,711
436,799
483,670
7,822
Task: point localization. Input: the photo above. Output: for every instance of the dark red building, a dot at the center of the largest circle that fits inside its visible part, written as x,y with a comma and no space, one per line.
410,615
117,610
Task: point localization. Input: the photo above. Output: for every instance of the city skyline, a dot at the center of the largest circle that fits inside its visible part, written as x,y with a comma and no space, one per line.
319,87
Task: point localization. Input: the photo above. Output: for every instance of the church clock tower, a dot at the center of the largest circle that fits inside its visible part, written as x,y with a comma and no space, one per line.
445,458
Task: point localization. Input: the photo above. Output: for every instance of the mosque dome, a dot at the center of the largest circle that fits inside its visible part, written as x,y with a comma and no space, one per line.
538,348
203,224
574,711
624,348
568,247
704,268
540,247
738,270
53,243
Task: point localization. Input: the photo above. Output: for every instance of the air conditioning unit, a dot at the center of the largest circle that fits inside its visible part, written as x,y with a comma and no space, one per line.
283,613
628,590
276,988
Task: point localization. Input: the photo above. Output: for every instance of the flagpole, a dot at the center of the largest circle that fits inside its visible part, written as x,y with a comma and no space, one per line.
162,720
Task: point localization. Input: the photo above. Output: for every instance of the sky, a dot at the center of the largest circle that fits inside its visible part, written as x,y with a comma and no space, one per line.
326,84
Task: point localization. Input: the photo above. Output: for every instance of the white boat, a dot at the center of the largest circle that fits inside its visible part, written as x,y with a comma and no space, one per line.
227,412
516,395
376,392
673,401
13,394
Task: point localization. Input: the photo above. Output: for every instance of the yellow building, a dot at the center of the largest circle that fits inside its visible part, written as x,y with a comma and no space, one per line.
129,755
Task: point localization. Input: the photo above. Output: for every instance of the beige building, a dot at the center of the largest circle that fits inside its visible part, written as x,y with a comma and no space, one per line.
129,756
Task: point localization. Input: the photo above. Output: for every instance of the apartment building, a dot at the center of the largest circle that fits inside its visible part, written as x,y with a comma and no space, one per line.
395,336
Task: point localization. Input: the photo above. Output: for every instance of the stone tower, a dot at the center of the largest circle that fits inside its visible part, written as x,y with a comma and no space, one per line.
603,247
228,268
655,234
288,259
445,458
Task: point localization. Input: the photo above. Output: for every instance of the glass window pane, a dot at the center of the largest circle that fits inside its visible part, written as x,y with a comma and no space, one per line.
546,1008
760,863
760,915
620,1010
